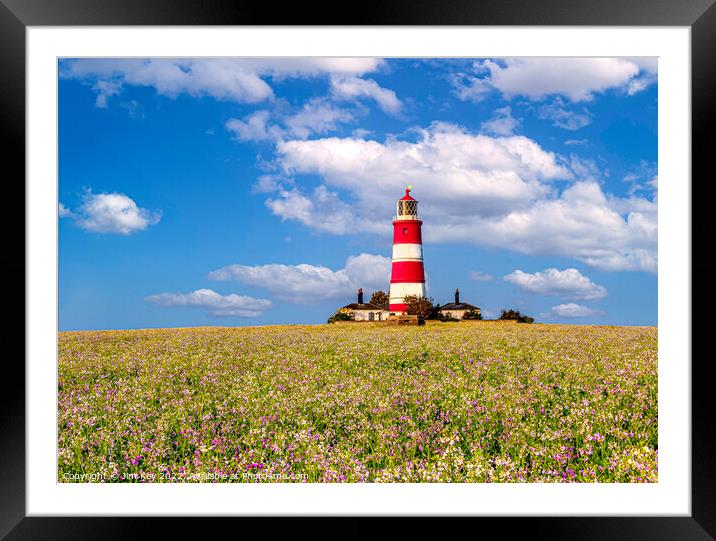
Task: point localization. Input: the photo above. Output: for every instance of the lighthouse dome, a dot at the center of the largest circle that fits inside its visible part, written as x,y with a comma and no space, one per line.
407,207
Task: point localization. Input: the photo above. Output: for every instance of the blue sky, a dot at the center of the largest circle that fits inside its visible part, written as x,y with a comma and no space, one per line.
253,192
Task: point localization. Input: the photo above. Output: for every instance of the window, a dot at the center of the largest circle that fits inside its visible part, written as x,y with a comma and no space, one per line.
371,316
408,208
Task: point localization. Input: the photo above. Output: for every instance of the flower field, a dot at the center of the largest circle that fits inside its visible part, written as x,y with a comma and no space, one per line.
447,402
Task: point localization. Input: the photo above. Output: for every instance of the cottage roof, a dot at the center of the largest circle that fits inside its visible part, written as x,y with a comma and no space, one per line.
458,306
362,306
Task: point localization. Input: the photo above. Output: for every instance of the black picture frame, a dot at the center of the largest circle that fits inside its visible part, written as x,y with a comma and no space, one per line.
16,15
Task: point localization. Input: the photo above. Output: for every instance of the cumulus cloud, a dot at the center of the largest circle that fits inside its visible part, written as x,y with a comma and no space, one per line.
575,78
642,178
104,91
215,304
63,211
582,223
568,283
502,122
475,188
481,276
458,172
110,213
271,183
253,127
350,88
306,283
234,79
572,310
469,87
322,210
315,117
564,118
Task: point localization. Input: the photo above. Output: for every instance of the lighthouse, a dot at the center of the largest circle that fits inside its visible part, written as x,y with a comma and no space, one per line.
407,275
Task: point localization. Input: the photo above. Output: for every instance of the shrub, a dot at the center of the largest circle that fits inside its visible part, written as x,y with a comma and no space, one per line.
472,314
515,316
341,315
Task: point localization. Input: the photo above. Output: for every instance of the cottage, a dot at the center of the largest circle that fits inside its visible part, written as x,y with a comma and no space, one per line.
365,311
457,309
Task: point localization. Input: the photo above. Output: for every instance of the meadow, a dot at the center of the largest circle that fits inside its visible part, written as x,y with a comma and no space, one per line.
447,402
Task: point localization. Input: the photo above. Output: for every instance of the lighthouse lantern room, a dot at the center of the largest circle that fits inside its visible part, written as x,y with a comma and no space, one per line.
407,275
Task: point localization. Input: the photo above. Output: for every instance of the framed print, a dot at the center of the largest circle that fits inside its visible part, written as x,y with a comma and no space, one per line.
403,265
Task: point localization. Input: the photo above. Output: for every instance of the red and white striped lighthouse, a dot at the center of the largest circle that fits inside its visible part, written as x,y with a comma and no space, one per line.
408,275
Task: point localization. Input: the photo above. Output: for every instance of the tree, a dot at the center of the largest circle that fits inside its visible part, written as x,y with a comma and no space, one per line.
472,313
418,306
380,299
341,315
516,316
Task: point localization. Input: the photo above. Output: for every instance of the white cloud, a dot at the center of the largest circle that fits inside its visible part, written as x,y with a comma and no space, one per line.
253,127
271,183
105,90
457,172
217,305
322,210
642,178
584,168
571,310
350,88
650,64
306,284
564,118
577,142
568,283
470,88
582,223
476,189
316,116
576,78
63,211
240,80
110,213
502,122
481,276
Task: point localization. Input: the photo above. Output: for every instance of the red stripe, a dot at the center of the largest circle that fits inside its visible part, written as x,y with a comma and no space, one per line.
407,232
407,271
398,307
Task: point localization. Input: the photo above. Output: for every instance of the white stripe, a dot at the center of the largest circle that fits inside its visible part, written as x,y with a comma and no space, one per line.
400,290
407,251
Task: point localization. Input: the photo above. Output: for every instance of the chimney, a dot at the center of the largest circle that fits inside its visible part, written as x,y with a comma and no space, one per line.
360,296
457,296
